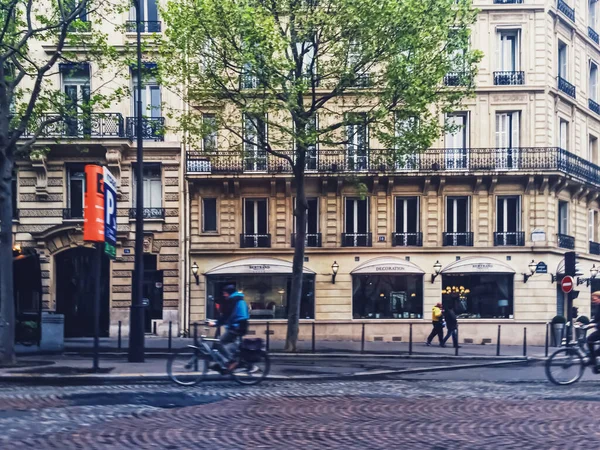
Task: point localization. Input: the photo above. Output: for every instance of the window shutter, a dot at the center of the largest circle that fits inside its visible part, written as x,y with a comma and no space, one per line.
515,129
501,130
591,224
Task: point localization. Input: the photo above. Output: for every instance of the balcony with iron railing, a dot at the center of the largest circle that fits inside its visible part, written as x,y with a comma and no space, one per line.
454,79
146,26
594,248
149,213
566,87
80,126
407,239
357,240
509,78
153,128
564,8
459,239
311,240
509,238
593,35
255,240
594,106
566,241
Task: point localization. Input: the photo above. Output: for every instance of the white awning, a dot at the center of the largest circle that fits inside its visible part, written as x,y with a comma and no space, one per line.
478,264
387,264
255,266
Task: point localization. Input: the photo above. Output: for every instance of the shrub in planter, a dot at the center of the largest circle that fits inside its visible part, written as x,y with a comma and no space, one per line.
559,319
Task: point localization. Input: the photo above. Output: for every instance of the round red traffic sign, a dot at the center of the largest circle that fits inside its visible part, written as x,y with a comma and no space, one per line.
567,284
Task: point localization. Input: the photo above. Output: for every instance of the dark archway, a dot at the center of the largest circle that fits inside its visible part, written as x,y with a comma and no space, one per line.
75,292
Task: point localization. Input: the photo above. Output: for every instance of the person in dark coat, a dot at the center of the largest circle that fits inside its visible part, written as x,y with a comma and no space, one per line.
452,324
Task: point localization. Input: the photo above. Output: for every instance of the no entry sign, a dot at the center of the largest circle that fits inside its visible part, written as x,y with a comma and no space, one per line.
567,284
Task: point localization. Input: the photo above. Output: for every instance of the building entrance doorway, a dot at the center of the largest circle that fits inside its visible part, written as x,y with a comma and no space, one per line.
153,292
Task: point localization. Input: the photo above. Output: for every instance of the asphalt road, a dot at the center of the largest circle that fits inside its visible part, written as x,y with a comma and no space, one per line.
498,408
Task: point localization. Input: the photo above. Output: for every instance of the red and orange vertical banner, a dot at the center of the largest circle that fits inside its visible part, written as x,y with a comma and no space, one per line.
93,216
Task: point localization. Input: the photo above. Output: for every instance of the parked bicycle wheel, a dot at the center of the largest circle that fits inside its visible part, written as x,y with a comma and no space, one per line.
187,367
251,371
565,366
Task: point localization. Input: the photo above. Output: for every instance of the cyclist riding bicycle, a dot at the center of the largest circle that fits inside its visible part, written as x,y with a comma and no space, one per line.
234,317
595,336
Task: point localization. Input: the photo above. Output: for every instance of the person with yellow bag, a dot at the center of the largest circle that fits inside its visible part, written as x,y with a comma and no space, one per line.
437,320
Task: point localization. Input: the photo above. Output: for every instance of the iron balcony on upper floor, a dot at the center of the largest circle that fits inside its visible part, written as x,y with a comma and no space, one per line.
566,87
509,78
372,161
146,26
564,8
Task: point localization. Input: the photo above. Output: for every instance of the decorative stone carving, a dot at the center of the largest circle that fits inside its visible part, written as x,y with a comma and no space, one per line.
38,163
148,243
113,160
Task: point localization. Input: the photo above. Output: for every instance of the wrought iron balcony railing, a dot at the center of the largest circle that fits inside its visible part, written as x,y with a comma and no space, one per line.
509,78
509,238
146,26
80,126
407,239
594,106
566,241
594,248
564,8
593,35
507,2
149,213
457,79
311,240
255,240
464,239
73,213
566,87
357,240
153,128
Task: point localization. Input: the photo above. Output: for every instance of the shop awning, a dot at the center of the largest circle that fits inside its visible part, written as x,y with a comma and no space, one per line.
385,265
477,264
255,266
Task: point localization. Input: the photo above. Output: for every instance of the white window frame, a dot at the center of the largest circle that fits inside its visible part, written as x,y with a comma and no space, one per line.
148,108
318,214
563,60
506,50
593,14
563,228
356,200
144,18
501,201
202,218
457,157
592,225
455,215
255,152
593,81
255,200
147,185
563,134
69,187
404,198
215,134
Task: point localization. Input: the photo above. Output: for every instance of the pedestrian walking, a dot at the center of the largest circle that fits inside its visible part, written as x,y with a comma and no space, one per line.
437,320
452,325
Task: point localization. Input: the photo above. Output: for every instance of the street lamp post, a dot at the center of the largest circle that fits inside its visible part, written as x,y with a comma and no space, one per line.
136,314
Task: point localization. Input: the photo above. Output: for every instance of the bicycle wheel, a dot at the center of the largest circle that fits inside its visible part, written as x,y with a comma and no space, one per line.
252,372
565,366
187,367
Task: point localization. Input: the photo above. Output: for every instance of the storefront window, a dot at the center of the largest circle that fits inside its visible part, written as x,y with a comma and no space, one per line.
267,295
387,296
479,296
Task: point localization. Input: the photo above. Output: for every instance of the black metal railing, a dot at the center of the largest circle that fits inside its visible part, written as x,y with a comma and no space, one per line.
463,239
507,2
509,238
73,213
594,106
564,8
148,213
153,128
311,240
457,79
146,26
566,87
566,241
255,240
79,126
357,240
593,35
407,239
594,248
509,78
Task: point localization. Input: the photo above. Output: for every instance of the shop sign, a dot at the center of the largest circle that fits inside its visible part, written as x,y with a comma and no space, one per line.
259,267
541,267
389,268
482,266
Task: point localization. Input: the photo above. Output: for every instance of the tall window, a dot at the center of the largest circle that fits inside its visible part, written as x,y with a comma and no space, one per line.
306,54
356,223
507,139
76,192
148,10
457,222
76,87
151,101
592,225
407,221
407,158
592,155
255,138
563,217
312,149
508,51
563,134
256,223
593,81
456,141
152,184
593,14
562,60
209,215
313,238
358,141
209,140
508,221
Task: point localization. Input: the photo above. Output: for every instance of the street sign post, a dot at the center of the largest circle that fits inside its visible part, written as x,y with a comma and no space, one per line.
567,284
110,214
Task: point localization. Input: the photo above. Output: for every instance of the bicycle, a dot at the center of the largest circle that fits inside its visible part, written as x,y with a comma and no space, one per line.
566,365
190,365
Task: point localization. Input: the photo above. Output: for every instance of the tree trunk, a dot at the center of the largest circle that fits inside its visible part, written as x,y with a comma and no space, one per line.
300,215
7,301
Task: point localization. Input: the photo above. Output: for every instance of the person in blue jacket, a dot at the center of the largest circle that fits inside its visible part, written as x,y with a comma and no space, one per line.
234,317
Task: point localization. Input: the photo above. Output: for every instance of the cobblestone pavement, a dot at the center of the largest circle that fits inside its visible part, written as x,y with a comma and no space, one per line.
291,415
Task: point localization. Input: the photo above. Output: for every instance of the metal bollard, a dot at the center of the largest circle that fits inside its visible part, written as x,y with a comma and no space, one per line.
119,337
268,332
547,336
362,339
525,341
170,335
457,343
195,333
410,340
313,337
498,343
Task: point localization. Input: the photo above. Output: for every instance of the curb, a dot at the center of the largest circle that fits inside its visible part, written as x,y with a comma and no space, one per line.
156,377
